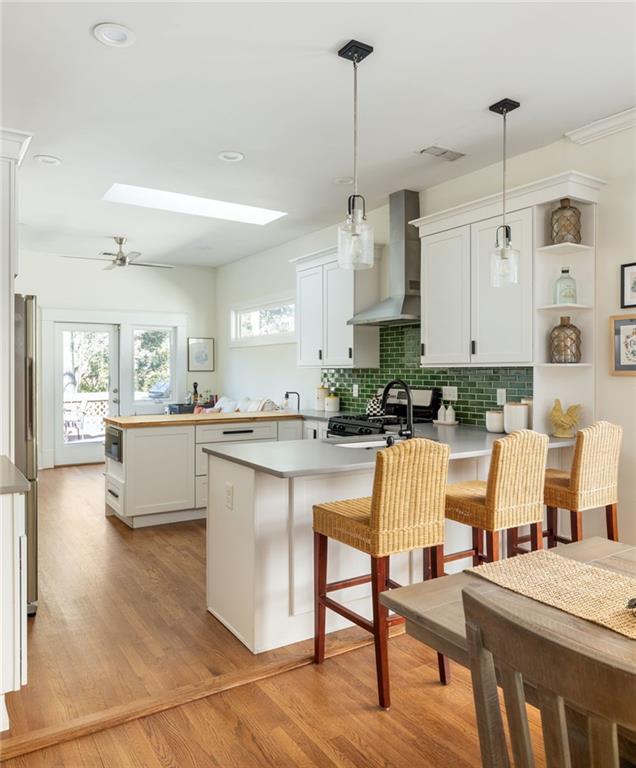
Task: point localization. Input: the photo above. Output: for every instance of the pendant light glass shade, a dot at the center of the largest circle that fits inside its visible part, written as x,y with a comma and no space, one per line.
355,238
504,261
355,234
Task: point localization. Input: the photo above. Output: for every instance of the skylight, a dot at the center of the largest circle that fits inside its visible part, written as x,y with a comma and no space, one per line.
196,206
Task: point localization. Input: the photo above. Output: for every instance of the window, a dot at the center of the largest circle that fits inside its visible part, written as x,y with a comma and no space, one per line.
153,363
272,322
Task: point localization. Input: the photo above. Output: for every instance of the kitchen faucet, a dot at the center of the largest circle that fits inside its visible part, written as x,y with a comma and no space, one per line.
408,432
287,394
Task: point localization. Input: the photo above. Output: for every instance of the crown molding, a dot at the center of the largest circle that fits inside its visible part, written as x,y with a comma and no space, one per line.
574,184
606,126
14,144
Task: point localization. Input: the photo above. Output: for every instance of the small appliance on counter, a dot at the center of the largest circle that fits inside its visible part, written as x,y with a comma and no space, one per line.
425,405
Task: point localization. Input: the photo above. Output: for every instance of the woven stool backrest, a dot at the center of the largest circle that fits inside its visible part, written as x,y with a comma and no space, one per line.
595,463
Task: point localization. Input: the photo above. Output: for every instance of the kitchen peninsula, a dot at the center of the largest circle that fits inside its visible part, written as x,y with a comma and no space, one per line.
156,471
259,529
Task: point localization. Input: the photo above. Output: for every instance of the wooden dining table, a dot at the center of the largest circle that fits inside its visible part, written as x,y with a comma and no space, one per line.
435,615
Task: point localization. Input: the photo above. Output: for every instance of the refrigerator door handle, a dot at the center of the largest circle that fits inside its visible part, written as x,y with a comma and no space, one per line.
30,399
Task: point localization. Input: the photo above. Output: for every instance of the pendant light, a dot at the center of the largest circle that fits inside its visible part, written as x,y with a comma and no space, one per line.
504,260
355,234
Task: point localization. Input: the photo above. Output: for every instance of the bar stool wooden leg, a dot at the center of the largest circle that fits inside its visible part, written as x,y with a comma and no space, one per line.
478,545
426,556
380,629
576,524
320,592
512,542
536,536
553,524
492,545
437,568
611,515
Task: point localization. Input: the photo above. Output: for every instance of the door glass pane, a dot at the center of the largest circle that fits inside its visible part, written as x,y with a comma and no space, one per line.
85,370
152,368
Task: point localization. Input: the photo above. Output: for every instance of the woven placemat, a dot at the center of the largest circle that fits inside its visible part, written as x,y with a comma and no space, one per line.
583,590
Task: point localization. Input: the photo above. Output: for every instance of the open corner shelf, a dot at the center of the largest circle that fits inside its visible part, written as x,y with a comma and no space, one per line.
563,365
565,249
563,307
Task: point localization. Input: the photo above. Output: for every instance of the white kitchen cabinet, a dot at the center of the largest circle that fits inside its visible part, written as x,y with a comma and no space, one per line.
315,430
464,320
13,597
290,430
445,279
326,298
160,470
501,318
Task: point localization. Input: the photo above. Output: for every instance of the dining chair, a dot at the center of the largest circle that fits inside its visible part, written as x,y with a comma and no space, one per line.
592,482
562,673
512,496
404,513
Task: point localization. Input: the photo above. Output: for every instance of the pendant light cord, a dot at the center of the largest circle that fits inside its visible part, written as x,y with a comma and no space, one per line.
504,170
355,125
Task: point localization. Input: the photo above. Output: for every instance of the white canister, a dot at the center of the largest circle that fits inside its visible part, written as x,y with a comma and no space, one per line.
332,403
515,417
495,421
528,402
321,394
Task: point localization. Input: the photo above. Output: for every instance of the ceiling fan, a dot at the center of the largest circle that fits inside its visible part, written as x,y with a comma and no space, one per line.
121,259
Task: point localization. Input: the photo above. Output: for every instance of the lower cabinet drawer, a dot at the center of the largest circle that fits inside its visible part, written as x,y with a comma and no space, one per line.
250,430
114,494
201,491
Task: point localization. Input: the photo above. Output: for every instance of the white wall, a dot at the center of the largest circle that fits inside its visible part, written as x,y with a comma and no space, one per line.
613,159
75,284
268,371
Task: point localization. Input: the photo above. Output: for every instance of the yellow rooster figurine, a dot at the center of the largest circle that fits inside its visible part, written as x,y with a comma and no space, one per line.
564,423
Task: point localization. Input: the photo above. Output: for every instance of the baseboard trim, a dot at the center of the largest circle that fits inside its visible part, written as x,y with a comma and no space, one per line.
43,738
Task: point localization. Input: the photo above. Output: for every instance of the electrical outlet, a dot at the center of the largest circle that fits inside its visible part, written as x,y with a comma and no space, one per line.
449,393
355,390
501,397
229,495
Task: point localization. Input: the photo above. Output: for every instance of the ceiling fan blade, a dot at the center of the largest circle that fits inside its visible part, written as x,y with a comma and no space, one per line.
87,258
107,253
133,255
149,264
112,265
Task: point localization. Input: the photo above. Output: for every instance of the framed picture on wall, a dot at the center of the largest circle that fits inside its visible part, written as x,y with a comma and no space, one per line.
628,285
623,345
200,354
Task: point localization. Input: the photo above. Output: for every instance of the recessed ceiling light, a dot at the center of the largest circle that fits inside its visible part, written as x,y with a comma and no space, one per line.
343,180
196,206
115,35
231,156
47,159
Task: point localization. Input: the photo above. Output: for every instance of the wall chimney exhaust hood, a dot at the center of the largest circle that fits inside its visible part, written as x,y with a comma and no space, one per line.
403,305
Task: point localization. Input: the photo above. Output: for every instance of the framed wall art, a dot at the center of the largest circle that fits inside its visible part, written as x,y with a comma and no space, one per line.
628,285
623,345
200,354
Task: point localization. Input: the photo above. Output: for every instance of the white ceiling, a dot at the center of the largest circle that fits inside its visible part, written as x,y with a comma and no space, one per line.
264,79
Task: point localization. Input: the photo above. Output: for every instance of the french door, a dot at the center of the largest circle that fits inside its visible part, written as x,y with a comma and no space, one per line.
86,389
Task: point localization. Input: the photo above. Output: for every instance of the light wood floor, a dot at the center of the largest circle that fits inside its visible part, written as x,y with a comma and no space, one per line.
319,717
122,612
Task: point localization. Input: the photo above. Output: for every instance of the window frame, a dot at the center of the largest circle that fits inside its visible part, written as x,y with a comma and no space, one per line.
172,364
265,340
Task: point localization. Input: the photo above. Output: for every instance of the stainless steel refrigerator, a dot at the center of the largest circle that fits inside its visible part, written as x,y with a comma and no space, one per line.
26,446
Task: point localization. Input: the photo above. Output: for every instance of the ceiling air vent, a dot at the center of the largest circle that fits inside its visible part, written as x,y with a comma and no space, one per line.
442,152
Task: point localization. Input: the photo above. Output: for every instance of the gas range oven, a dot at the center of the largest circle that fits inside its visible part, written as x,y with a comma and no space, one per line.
426,403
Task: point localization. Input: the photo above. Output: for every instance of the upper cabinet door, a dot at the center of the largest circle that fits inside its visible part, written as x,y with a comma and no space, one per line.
338,306
501,318
309,316
446,297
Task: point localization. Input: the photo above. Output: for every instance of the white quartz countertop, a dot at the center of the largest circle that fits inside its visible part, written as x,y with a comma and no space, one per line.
298,458
11,479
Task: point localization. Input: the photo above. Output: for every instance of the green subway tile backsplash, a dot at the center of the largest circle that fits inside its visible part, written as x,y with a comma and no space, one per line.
400,358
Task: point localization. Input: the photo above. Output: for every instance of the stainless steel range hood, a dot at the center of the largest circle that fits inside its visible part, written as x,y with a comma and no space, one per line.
403,305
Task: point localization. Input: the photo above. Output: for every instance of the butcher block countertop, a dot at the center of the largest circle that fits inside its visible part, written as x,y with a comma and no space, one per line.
168,420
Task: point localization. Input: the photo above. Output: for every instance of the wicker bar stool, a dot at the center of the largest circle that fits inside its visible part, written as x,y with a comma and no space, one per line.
512,496
405,512
591,483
